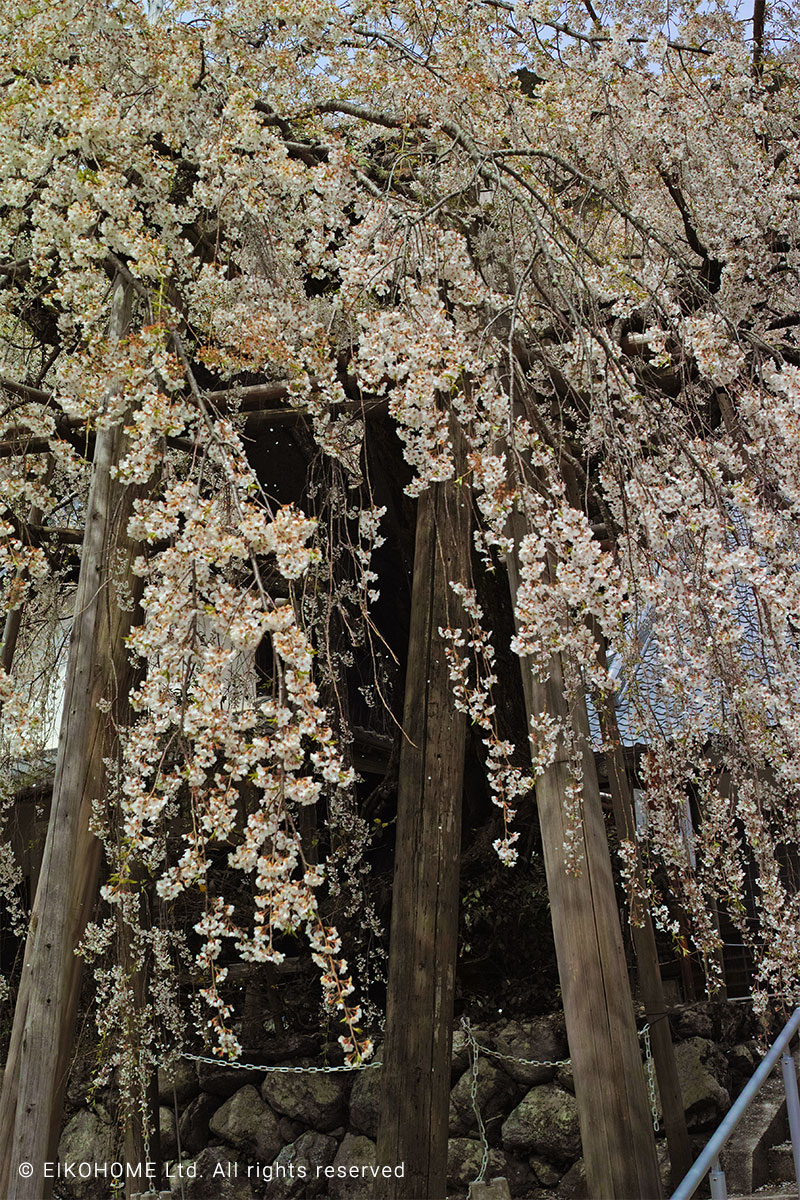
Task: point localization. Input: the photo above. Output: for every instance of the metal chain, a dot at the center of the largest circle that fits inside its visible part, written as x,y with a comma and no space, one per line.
474,1050
651,1076
145,1129
239,1066
526,1062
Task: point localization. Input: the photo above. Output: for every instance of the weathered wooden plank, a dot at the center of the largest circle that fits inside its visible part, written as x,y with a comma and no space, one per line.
44,1017
646,950
616,1131
424,931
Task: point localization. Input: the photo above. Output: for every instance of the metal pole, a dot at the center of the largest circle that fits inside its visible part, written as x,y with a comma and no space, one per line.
792,1108
710,1155
716,1177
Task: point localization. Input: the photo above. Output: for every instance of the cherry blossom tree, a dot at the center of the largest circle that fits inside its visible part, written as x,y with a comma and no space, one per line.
555,250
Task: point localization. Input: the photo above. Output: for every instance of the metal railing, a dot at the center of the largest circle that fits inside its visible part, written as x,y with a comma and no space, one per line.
708,1163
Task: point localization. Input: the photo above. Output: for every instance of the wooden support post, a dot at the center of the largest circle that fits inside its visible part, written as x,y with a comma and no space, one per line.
424,932
616,1129
644,944
44,1017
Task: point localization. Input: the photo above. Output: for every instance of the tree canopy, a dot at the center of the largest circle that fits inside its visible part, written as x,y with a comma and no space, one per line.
552,253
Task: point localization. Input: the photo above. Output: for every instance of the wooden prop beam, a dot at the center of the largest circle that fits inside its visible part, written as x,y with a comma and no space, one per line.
616,1129
44,1017
644,944
424,932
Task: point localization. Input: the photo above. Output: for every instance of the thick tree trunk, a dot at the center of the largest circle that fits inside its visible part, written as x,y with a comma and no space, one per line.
44,1018
616,1130
424,934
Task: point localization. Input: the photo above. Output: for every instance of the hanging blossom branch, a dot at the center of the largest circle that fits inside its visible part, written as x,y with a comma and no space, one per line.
195,742
470,656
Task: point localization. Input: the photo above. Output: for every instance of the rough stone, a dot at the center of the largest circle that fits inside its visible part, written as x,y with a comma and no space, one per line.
294,1172
741,1060
573,1185
193,1123
81,1074
700,1067
565,1078
213,1175
492,1189
247,1123
459,1057
318,1100
464,1157
695,1021
87,1137
546,1174
333,1053
540,1039
545,1123
289,1130
167,1133
495,1092
732,1022
521,1178
365,1102
355,1151
182,1078
224,1081
285,1047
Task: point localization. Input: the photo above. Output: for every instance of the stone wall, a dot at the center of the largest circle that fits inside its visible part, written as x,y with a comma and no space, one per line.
267,1135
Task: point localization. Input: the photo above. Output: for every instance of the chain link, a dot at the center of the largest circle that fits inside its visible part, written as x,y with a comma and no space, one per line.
239,1066
651,1076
